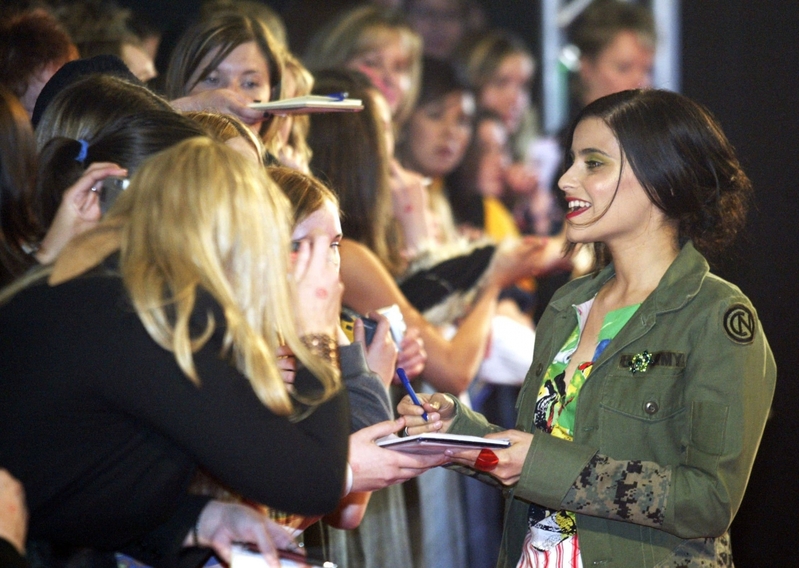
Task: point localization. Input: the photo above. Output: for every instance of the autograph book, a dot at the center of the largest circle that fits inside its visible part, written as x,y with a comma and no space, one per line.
310,104
438,443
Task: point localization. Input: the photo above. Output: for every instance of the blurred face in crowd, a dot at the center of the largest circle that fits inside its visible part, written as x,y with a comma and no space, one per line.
492,138
440,23
626,63
387,62
439,132
507,92
324,221
243,71
38,79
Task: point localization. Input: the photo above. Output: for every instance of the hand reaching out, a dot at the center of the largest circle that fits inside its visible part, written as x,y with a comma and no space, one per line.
221,524
223,101
517,259
375,468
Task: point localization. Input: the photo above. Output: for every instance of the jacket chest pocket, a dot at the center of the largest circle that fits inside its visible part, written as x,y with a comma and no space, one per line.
642,413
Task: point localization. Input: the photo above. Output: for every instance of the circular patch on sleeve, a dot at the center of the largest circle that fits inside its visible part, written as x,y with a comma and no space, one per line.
740,324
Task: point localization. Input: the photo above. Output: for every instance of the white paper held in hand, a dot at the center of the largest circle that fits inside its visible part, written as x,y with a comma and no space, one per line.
244,556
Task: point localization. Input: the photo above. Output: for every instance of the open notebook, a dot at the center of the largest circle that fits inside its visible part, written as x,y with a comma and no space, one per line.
311,103
438,443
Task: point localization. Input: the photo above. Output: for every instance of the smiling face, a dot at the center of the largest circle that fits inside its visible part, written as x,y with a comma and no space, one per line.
387,61
439,132
244,71
606,203
507,92
626,63
323,221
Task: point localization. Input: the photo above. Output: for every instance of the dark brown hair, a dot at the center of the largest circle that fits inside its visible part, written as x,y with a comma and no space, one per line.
683,160
17,176
350,156
29,42
224,31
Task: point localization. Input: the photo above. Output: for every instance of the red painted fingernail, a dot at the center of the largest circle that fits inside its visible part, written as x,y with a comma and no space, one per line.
486,460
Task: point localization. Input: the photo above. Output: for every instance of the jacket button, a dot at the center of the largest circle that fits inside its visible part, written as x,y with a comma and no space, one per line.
538,369
651,407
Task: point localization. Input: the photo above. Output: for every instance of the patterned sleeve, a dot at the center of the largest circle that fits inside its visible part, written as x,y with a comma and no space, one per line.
630,491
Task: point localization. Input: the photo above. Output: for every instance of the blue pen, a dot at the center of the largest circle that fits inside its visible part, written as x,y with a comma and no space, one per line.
407,384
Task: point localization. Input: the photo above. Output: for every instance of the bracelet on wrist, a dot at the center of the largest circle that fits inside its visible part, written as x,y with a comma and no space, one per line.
323,346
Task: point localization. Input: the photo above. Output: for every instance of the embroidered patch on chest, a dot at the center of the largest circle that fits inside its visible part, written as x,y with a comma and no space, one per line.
740,324
659,359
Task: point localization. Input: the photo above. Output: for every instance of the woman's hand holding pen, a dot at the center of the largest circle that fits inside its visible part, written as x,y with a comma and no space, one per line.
510,461
440,410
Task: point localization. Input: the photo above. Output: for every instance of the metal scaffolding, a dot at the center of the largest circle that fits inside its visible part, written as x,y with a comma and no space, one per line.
556,15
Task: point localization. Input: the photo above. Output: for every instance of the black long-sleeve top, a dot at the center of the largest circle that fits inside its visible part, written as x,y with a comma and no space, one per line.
105,431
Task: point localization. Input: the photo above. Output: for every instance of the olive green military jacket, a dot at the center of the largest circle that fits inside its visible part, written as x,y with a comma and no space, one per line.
666,428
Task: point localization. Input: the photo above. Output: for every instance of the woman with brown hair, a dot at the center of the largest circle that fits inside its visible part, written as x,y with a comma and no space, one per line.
223,64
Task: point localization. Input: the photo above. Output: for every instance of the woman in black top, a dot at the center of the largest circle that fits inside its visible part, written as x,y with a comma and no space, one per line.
122,372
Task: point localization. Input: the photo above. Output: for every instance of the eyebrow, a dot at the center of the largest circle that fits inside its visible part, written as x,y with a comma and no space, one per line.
586,151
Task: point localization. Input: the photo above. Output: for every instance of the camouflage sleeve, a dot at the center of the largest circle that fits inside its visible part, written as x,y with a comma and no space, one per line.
630,491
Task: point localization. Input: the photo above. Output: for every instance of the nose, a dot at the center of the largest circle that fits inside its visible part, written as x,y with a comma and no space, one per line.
566,180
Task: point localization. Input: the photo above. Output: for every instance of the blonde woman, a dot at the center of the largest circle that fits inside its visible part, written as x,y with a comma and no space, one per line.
380,44
150,349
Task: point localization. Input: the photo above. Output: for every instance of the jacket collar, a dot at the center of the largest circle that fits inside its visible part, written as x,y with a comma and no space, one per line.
679,284
677,287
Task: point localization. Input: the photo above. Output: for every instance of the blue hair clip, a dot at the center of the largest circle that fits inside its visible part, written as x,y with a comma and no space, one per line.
84,148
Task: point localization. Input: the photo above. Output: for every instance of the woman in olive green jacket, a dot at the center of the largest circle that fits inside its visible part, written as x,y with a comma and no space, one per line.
652,379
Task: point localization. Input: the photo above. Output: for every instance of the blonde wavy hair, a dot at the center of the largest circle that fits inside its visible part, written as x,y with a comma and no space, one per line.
199,217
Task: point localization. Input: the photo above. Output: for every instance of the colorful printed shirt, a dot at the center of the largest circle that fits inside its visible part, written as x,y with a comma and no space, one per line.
555,411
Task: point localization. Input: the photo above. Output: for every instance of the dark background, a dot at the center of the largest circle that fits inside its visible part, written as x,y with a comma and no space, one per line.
740,59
